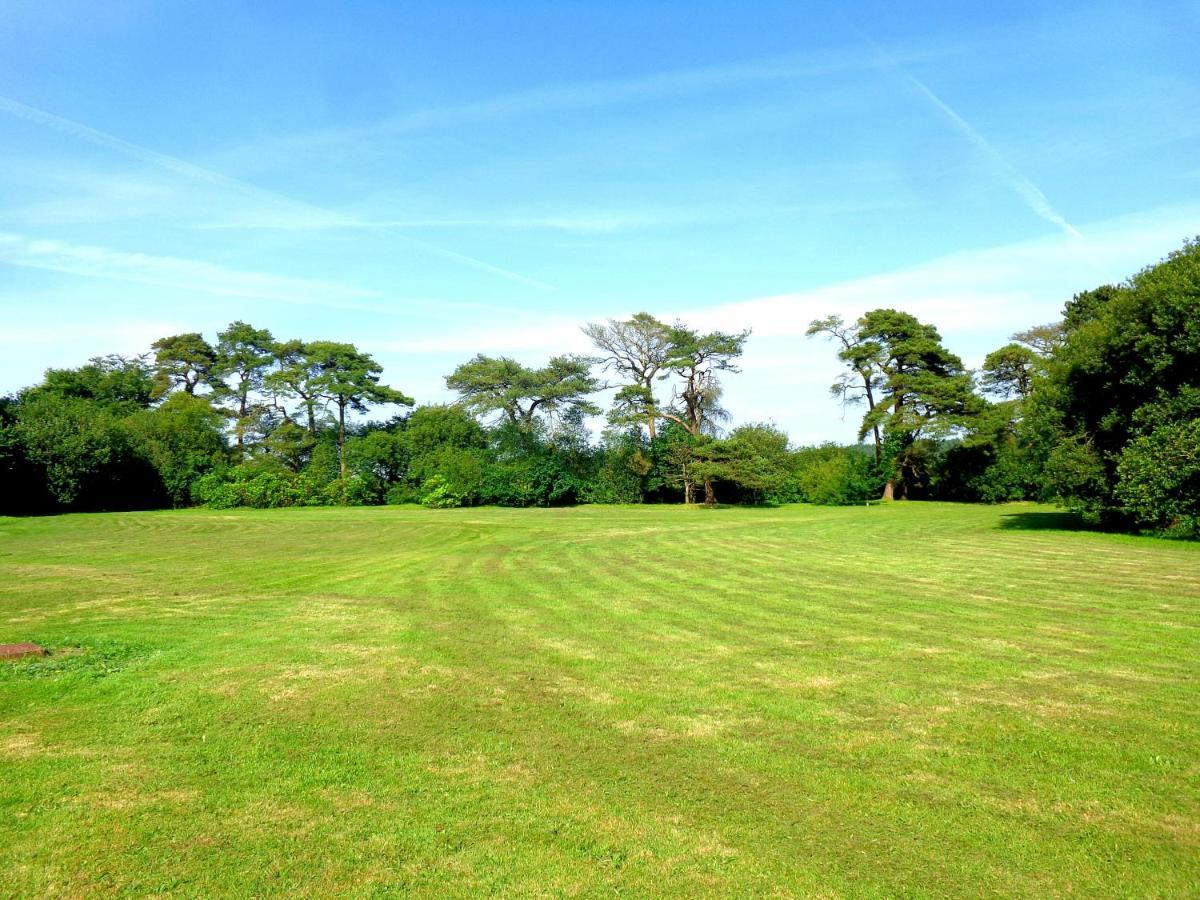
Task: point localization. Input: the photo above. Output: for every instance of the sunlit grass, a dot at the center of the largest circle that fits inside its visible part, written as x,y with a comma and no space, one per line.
918,698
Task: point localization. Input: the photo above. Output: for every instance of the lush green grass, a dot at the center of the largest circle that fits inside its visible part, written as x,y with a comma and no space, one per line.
922,699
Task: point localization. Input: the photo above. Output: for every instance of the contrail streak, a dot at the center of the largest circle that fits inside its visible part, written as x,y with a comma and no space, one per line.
198,173
1029,192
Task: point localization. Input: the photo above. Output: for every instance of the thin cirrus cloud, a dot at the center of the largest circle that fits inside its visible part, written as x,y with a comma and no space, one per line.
975,298
601,222
131,336
986,292
593,222
582,223
203,175
583,95
579,96
172,272
982,292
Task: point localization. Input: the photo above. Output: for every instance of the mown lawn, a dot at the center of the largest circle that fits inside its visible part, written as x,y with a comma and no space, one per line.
918,699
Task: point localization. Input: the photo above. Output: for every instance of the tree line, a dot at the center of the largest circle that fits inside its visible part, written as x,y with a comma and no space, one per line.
1099,411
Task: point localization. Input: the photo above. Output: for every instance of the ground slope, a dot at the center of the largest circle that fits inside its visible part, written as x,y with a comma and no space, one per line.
920,699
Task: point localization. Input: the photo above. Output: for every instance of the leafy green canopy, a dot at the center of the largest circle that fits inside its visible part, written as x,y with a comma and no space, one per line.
924,391
182,360
488,385
1117,409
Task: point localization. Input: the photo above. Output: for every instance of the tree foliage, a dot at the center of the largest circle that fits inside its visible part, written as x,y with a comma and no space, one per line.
522,395
1122,395
925,393
636,350
862,378
348,379
1008,372
244,355
182,361
1098,410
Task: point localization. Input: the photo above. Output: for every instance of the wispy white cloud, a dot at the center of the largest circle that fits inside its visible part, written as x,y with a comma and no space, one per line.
586,222
976,299
171,272
584,95
70,191
542,335
579,96
286,205
990,291
583,223
127,336
35,338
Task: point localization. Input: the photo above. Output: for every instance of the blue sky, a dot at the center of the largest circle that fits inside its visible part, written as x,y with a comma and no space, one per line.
431,180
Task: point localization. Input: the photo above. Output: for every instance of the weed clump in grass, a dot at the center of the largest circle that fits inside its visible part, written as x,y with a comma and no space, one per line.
80,658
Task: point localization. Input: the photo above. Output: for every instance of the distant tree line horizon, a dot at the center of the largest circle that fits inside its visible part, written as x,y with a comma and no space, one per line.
1099,412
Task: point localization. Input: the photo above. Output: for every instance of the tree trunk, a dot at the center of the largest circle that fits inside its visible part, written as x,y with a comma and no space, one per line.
342,444
241,423
312,416
710,496
647,384
889,489
870,406
689,490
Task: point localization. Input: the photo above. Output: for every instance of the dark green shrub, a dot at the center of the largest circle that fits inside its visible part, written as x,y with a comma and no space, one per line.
1159,479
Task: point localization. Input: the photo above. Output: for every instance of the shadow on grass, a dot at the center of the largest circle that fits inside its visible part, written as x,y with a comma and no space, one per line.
1066,521
1045,521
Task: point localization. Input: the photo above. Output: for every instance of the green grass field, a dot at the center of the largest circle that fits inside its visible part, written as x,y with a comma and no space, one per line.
918,699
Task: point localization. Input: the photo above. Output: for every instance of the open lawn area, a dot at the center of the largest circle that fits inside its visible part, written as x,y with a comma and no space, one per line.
919,699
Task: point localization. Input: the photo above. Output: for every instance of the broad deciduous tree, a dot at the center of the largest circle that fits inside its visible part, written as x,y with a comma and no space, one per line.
1116,406
114,381
754,459
183,439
